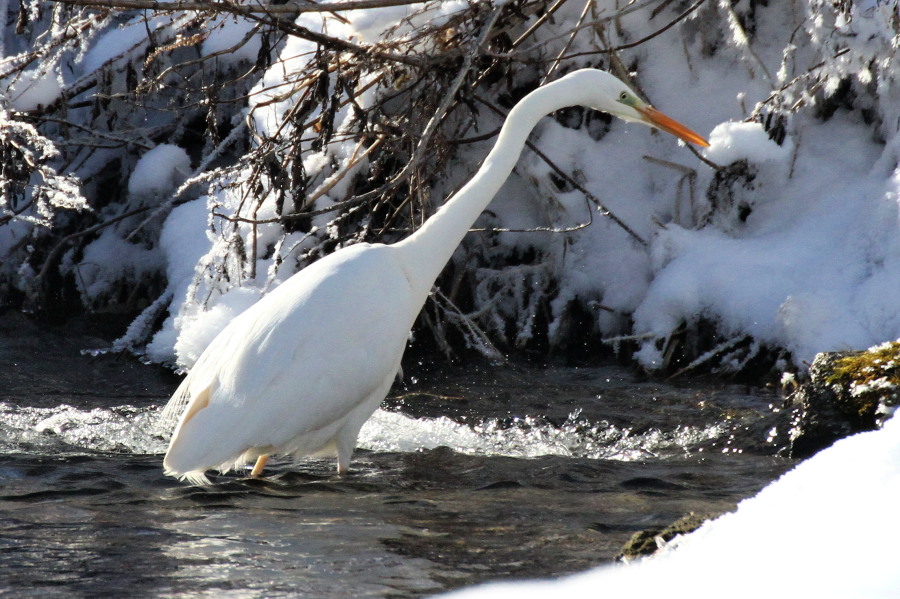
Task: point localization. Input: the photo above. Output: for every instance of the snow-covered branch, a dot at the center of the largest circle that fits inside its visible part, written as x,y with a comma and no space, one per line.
288,8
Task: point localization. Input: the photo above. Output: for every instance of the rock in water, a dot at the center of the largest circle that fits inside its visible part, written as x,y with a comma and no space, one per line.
848,392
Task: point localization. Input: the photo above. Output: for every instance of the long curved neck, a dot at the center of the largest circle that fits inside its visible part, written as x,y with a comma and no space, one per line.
427,251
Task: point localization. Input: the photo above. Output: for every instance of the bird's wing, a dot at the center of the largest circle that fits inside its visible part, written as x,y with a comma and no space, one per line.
326,353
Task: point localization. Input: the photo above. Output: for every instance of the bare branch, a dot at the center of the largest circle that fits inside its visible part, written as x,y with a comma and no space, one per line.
289,8
687,12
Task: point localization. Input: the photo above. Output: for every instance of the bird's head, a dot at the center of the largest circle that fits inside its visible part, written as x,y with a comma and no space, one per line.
607,93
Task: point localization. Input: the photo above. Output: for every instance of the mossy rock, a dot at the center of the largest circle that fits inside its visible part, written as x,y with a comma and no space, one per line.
848,392
863,381
647,542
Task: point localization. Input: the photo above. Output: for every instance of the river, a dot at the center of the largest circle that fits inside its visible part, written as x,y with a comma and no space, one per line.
467,474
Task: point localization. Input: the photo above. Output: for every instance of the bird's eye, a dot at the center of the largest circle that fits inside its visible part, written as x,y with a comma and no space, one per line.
623,97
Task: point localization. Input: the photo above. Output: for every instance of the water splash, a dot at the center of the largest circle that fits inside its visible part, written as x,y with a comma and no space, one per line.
529,437
68,429
131,429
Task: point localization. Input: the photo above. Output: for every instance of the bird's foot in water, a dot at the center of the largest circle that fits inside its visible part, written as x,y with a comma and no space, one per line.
259,466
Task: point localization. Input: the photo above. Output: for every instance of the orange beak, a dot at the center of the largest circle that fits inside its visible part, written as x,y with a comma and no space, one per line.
664,123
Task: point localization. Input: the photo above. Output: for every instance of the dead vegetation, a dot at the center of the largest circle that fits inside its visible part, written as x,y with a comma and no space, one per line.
366,135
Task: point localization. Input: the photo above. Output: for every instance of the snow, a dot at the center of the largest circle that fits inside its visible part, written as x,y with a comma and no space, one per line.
200,327
97,277
34,88
120,39
827,528
159,171
184,238
226,36
730,142
813,268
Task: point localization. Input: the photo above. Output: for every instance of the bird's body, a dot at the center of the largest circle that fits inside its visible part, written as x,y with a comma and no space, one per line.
348,363
302,370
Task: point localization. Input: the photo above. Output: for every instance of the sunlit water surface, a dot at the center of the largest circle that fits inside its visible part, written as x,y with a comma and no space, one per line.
467,475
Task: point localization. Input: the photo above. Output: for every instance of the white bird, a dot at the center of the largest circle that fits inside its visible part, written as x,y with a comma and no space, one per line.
301,371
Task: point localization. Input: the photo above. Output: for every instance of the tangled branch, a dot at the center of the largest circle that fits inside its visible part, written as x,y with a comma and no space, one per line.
302,136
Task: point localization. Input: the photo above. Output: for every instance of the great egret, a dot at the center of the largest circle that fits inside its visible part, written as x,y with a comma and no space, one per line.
300,371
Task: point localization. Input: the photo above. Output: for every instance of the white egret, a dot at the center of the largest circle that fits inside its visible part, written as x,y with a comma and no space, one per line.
302,370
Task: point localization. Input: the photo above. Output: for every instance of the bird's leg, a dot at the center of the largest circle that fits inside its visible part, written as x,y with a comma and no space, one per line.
260,464
345,443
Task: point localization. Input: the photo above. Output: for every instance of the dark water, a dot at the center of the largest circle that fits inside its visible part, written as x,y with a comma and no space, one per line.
470,475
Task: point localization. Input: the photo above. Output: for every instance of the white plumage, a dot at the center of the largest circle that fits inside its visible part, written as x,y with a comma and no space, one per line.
301,371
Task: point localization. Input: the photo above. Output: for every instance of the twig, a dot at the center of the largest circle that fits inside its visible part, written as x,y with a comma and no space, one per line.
633,7
794,81
90,80
72,32
622,338
588,195
107,136
626,46
706,357
334,179
450,95
688,174
50,260
424,140
146,86
540,21
663,29
742,39
584,11
480,337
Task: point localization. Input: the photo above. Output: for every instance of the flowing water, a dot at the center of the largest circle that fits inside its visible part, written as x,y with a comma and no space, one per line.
467,475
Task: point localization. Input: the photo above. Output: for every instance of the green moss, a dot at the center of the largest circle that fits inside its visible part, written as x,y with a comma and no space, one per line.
644,542
863,379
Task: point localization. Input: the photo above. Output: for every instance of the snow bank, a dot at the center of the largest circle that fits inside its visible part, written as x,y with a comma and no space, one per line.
812,269
827,528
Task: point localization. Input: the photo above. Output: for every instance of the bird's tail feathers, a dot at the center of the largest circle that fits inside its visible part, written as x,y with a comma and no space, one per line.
194,477
171,413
